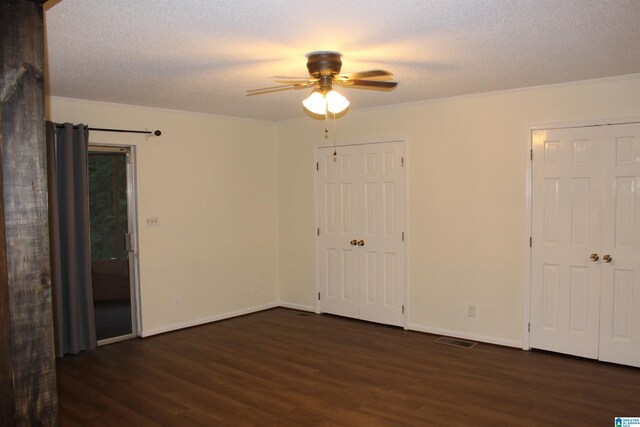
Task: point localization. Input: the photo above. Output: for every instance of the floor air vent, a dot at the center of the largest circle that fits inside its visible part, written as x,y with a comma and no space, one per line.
456,342
298,313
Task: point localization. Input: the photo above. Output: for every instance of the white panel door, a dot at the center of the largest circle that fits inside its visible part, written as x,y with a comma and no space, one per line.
337,219
361,259
566,230
620,304
381,232
585,269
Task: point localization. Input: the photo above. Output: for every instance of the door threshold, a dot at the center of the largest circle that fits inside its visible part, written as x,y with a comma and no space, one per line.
113,340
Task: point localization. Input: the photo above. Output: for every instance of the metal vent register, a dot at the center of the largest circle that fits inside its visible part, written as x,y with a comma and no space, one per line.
298,313
456,342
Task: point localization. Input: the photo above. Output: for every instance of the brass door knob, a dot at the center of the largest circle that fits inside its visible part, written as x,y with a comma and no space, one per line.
607,258
354,242
594,257
360,242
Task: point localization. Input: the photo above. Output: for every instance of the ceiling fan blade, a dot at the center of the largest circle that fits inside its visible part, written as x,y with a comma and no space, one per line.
291,78
366,75
270,88
293,82
368,84
271,91
276,89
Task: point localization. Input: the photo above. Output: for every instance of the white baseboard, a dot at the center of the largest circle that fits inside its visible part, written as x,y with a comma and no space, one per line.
209,319
300,307
464,335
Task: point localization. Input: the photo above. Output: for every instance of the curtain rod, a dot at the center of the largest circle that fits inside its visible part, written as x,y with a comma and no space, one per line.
148,132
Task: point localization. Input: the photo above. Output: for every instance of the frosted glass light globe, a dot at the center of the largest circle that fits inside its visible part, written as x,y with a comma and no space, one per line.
316,103
336,102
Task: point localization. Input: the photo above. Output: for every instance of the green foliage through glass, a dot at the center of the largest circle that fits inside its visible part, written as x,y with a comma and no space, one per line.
108,204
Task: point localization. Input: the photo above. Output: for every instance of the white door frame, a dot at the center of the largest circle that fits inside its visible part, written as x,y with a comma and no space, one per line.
132,205
380,140
526,345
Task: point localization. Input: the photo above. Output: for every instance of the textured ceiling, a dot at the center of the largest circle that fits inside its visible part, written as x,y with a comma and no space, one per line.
201,55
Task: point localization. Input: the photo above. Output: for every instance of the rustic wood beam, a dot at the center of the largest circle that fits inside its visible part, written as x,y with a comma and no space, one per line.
7,401
27,381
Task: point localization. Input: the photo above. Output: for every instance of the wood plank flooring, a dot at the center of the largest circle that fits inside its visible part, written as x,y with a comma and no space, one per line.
275,368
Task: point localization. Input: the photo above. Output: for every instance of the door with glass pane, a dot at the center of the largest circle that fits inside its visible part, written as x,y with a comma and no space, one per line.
111,243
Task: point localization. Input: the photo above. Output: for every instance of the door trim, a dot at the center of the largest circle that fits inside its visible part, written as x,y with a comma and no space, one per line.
134,265
380,140
528,179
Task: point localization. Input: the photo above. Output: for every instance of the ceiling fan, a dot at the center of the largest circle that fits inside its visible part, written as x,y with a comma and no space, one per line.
324,70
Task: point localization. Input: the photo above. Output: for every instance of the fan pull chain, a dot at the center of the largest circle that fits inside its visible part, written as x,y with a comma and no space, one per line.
326,127
335,153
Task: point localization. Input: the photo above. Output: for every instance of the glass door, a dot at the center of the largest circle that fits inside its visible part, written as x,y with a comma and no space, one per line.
111,243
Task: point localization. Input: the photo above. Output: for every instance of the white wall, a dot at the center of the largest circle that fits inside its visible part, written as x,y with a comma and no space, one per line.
467,160
235,199
212,182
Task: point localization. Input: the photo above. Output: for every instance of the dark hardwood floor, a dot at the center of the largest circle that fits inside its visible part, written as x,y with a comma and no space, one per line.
275,368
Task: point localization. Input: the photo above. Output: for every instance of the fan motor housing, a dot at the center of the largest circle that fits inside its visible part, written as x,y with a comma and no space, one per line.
324,63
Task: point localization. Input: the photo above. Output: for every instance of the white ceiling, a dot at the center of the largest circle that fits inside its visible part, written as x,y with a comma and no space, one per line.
202,55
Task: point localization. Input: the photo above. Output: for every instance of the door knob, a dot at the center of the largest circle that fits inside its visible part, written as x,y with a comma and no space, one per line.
594,257
607,258
360,242
354,242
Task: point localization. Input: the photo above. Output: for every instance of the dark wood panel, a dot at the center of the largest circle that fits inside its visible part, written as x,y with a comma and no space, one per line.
25,258
276,369
7,401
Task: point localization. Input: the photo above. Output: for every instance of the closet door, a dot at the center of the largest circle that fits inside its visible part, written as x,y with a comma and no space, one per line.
620,304
339,180
361,255
383,266
585,277
566,240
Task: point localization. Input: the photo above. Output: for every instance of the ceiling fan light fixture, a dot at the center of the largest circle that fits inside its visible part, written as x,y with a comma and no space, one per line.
316,103
320,104
324,69
336,103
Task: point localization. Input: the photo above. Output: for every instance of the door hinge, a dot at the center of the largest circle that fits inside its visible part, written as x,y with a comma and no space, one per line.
531,154
530,242
128,242
317,166
529,327
318,296
402,161
402,308
318,231
403,236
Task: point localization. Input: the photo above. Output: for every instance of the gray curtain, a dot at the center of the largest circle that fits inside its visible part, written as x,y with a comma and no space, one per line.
67,154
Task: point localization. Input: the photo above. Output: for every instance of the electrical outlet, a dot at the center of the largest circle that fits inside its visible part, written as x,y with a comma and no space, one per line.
176,302
152,221
471,311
